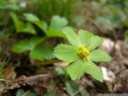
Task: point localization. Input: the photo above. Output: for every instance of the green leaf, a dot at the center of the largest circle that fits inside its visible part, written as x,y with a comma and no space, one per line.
55,33
35,20
84,37
100,55
20,92
42,52
66,53
94,42
72,37
26,44
18,24
30,17
42,25
58,22
29,29
94,71
56,26
21,27
76,69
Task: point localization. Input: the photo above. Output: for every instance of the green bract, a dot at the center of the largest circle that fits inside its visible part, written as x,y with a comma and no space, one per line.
81,54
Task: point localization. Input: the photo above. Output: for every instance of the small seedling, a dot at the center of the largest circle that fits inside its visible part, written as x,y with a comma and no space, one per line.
81,54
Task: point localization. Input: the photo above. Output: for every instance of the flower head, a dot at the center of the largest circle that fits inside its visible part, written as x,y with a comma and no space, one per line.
81,54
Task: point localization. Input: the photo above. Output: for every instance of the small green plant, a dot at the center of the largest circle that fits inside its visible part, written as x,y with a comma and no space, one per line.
38,50
81,54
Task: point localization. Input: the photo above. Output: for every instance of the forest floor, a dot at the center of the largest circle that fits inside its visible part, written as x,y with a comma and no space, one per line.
46,79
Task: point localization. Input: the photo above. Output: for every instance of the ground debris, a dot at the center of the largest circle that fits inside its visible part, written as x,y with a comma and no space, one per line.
33,81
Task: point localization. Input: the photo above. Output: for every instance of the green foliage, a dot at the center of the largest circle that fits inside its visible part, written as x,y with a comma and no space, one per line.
63,51
102,56
21,27
37,51
77,65
56,25
35,20
27,44
42,52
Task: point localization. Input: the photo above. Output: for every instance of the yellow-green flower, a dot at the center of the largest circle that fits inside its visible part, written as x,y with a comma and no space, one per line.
81,54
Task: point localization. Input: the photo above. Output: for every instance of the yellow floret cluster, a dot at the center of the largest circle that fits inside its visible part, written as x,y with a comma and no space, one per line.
83,53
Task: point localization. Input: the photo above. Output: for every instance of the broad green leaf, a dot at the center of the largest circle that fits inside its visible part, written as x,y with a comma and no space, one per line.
20,92
42,25
66,53
34,19
56,25
100,55
29,29
72,37
55,33
26,44
58,22
42,52
84,37
76,69
30,17
18,24
94,42
94,71
21,27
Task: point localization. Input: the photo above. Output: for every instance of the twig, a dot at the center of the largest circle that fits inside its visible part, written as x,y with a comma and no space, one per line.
26,93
